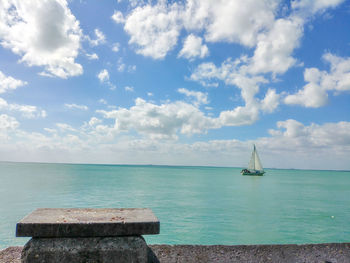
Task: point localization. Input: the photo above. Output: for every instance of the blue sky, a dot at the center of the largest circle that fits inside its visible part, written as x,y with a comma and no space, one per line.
176,82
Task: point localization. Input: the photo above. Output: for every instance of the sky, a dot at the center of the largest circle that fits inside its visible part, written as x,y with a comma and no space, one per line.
192,82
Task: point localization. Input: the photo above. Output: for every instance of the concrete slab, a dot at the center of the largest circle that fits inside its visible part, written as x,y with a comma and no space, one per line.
86,222
125,249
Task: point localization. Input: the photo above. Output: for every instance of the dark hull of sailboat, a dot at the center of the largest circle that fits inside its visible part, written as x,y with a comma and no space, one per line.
253,173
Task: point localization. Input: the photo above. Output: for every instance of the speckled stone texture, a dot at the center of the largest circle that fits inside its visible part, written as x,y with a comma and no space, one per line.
86,250
87,222
313,253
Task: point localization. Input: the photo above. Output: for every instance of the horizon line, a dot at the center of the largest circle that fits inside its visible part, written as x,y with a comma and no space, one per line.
170,165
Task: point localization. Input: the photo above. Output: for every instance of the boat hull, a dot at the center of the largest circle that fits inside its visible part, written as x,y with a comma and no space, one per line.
253,173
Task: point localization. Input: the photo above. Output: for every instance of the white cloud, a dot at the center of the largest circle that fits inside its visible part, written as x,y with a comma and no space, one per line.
27,111
160,121
153,30
93,121
293,144
129,88
65,127
120,65
118,17
193,48
100,38
235,73
9,83
275,47
116,47
103,75
271,101
200,97
76,106
8,123
230,21
43,33
319,83
92,56
315,6
291,133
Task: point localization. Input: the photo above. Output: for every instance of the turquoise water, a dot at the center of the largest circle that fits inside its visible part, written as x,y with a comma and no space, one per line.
195,205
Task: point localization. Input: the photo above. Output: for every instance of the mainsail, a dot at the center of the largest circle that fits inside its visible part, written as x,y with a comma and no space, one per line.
254,163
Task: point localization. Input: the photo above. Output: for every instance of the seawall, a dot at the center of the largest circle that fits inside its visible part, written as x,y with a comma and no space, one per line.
320,253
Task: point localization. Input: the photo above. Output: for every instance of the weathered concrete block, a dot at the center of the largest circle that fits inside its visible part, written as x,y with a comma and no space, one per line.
83,222
131,249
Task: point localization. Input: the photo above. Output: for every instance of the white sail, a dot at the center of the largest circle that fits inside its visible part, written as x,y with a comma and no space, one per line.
254,163
251,165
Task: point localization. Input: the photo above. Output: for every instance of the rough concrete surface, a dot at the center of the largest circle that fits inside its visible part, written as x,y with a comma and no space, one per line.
87,222
86,250
312,253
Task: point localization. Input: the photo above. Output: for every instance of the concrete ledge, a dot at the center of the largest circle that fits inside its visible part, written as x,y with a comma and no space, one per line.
320,253
87,222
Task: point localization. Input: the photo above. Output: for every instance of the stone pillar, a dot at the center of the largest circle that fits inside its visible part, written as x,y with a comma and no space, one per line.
87,235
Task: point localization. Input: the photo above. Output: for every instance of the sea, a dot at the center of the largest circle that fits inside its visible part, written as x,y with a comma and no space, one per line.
195,205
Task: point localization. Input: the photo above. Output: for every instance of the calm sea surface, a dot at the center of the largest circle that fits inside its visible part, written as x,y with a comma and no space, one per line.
195,205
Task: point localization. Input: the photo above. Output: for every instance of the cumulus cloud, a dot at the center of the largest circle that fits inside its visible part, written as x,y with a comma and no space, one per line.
27,111
230,21
274,48
65,127
160,121
44,33
153,30
291,133
93,121
270,101
100,38
319,83
76,106
92,56
193,48
315,5
129,88
8,123
321,146
235,73
169,119
9,83
200,97
118,17
103,75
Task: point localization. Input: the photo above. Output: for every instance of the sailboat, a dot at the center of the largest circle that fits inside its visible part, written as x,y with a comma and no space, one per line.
254,166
